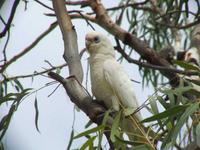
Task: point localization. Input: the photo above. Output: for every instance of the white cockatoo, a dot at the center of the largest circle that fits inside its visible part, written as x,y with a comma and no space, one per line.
109,81
192,56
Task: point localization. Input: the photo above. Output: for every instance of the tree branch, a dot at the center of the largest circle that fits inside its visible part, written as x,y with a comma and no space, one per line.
127,38
14,7
71,55
33,74
27,49
80,97
155,67
44,5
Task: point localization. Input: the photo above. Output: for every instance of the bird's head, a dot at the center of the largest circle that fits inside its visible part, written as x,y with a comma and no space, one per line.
98,43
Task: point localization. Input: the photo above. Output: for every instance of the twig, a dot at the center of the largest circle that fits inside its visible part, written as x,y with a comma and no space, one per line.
33,74
180,26
173,12
26,4
82,2
14,7
27,49
133,5
54,90
41,72
5,46
88,23
44,5
76,16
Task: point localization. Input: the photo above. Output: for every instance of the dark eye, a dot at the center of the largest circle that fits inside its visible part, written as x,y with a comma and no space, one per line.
96,39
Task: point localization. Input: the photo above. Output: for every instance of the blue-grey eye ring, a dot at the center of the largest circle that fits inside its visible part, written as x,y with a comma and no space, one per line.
96,39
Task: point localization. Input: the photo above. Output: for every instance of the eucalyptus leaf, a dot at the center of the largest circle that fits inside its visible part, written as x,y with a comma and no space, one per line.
88,143
36,114
186,65
189,111
168,113
93,130
198,134
115,127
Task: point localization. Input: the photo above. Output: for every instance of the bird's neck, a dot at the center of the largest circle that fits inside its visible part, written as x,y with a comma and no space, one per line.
99,58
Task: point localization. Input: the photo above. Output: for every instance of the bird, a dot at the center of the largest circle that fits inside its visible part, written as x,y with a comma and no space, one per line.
109,82
192,55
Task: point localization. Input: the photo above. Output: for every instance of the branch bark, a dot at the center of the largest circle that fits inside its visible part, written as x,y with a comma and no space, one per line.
78,95
71,54
127,38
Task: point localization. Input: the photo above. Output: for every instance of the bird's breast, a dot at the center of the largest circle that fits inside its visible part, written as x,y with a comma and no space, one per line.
100,88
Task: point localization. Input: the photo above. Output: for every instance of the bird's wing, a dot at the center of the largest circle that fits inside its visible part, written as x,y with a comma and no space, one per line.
120,83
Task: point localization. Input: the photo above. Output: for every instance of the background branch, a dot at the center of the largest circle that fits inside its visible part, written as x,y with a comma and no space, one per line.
27,49
14,7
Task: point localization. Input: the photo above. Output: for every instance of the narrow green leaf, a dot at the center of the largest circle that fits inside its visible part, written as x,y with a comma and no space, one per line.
3,122
70,140
7,120
186,65
21,95
8,97
88,143
1,146
18,85
153,105
115,127
89,123
125,141
36,114
163,102
171,111
105,118
106,115
189,111
85,133
5,87
143,147
187,9
198,134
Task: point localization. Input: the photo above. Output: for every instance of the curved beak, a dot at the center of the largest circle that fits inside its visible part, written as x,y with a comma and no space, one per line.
88,41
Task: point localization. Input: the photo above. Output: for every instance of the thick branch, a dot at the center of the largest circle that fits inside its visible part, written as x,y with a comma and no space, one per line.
155,67
80,97
140,46
71,55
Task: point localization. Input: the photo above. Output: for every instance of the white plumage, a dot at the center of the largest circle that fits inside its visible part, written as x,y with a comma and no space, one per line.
109,81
